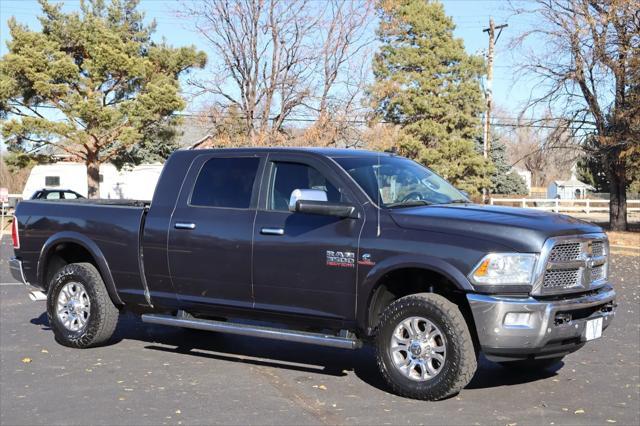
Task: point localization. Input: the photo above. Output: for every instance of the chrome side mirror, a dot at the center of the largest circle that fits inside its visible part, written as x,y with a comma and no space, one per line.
306,195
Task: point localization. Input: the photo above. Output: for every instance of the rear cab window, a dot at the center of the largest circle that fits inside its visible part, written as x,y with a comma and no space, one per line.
225,182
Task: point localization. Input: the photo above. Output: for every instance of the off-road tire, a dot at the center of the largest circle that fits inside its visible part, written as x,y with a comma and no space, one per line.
103,316
460,363
532,364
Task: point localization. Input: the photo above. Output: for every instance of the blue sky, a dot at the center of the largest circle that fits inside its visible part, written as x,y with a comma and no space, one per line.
470,16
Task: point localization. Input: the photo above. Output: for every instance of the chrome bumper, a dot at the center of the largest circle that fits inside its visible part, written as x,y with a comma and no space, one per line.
554,327
15,266
35,293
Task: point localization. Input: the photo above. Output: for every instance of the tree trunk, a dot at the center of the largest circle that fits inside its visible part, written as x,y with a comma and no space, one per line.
93,176
616,169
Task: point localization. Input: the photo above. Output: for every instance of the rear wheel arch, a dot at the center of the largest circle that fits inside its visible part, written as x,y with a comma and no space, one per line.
66,248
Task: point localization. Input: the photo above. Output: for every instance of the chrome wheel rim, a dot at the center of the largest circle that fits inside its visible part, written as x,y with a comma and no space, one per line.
73,306
418,349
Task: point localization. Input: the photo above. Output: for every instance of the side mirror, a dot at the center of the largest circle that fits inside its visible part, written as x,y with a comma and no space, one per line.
312,201
305,195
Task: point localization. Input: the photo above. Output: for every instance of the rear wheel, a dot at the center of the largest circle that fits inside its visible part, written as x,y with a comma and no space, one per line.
424,348
80,311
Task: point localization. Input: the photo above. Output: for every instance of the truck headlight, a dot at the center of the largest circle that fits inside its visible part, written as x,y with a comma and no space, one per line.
504,268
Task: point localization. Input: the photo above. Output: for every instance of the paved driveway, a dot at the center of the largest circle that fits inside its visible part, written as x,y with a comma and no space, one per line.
158,375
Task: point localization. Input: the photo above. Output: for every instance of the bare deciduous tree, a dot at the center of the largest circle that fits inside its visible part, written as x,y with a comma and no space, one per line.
547,149
586,70
262,58
277,57
342,38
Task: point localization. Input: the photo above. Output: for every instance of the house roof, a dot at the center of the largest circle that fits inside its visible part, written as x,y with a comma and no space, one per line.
574,183
193,130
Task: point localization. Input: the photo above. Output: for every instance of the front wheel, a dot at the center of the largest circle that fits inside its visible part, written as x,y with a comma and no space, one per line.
423,347
80,311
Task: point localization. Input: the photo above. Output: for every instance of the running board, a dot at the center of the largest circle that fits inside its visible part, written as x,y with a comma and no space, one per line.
255,331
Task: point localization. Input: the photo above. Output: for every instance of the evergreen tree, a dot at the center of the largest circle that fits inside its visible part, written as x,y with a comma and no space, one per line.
113,89
427,84
592,169
504,180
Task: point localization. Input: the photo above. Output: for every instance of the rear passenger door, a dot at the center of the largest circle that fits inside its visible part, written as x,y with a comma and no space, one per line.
210,233
295,267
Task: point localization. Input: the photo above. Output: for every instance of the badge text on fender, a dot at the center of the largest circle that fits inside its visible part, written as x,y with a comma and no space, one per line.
343,259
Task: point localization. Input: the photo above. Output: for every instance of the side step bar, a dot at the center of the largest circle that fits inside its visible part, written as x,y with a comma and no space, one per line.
255,331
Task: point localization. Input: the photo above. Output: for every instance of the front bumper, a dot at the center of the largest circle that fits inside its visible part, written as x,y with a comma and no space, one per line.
555,327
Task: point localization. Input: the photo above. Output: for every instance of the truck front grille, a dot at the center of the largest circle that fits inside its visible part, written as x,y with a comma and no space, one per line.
597,273
564,252
573,264
561,279
597,248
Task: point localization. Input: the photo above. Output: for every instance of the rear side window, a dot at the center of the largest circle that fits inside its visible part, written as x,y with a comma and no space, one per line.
225,182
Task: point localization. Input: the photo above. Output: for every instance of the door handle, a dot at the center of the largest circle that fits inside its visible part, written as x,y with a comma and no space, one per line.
272,231
184,225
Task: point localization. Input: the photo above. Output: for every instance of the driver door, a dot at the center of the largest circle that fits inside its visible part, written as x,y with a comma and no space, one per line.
304,263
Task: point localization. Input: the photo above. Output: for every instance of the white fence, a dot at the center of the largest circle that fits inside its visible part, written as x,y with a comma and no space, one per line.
558,205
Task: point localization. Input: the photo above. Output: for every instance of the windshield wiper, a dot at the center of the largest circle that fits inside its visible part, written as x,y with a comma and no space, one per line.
410,203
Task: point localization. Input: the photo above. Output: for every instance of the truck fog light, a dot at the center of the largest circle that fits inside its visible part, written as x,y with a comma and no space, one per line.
517,319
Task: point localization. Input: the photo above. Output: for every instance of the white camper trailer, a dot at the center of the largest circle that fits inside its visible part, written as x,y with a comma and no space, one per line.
137,183
68,175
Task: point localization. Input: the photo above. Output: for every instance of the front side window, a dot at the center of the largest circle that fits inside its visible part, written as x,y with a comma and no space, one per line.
398,182
225,182
287,177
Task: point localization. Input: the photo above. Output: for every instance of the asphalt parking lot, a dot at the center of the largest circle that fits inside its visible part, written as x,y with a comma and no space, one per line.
162,375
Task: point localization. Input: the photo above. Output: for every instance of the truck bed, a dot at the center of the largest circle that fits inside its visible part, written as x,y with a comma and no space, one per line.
109,227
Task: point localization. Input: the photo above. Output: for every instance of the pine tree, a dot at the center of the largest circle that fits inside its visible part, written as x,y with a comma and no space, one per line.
428,85
503,179
110,90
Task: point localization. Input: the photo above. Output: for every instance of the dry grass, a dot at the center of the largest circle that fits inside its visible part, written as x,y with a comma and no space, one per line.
627,239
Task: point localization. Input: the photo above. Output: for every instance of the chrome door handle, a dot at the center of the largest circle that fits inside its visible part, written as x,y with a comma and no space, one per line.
272,231
184,225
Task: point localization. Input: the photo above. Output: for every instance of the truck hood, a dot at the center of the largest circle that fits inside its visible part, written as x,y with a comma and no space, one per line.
523,230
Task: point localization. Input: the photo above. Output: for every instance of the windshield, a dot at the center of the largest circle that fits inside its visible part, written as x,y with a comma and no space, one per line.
399,182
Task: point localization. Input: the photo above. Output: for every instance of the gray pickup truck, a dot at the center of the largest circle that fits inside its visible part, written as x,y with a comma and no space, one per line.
328,247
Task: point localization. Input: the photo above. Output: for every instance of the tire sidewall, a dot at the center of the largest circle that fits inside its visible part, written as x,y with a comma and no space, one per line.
437,386
84,336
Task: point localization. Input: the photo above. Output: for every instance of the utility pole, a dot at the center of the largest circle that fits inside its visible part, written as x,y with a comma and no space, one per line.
486,137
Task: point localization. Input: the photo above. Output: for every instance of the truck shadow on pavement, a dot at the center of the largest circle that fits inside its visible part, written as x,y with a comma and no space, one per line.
289,355
42,321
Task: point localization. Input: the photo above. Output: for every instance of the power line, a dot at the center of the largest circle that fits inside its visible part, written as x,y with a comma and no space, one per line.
496,121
